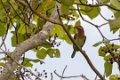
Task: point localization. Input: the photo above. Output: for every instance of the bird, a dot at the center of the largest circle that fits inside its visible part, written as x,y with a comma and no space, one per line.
79,38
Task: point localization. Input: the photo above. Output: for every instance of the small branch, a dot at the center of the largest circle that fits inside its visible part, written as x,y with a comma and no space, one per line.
68,77
51,76
103,17
102,25
63,71
112,40
97,5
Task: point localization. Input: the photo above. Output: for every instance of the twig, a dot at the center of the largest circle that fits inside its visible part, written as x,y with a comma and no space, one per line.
97,5
63,71
51,76
103,17
102,25
68,77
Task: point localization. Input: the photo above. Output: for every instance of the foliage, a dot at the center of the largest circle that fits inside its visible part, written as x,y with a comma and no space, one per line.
17,17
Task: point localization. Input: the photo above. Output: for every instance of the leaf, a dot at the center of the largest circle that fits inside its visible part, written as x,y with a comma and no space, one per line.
108,68
77,23
67,2
105,1
71,29
2,29
19,38
115,3
27,63
102,51
117,14
57,53
50,52
41,54
40,23
53,53
92,12
67,39
23,30
82,7
114,24
58,30
108,57
97,44
65,9
113,77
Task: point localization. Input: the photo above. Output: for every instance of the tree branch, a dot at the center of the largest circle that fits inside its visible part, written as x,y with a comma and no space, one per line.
28,44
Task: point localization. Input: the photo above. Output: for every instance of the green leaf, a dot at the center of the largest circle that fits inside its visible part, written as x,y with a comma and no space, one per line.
40,23
19,38
105,1
114,24
113,77
108,57
92,12
27,63
82,7
66,38
108,68
97,44
41,54
115,3
53,53
65,9
67,2
71,29
23,29
57,53
77,23
50,52
2,29
117,14
102,51
58,30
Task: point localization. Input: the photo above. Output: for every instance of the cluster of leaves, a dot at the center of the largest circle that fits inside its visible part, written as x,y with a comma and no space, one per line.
20,20
111,54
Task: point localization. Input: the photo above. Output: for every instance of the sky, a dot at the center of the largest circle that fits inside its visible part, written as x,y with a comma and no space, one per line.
77,65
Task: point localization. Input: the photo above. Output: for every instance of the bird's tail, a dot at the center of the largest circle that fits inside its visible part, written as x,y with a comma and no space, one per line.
73,54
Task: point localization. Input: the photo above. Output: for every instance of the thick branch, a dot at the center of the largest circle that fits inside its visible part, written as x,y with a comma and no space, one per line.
30,43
